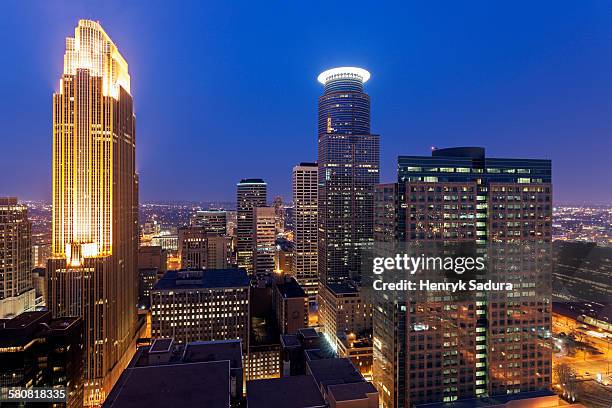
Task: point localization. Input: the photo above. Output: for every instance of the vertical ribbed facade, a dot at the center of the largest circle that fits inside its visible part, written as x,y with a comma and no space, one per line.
305,192
349,161
92,272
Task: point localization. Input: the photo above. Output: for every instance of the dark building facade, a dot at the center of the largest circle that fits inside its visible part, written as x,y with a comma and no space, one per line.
38,351
197,374
251,193
291,305
348,170
147,278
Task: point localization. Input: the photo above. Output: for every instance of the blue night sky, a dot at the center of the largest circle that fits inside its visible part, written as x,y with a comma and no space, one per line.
227,90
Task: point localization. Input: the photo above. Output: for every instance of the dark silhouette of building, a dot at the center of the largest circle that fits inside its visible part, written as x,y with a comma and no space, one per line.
251,193
291,304
197,374
39,351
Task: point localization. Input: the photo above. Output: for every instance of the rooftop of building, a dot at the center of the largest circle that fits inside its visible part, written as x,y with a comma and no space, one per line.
308,333
471,152
21,328
351,391
203,278
203,351
352,340
290,288
161,345
252,181
194,352
25,319
290,340
331,371
308,164
343,288
343,73
466,153
318,354
202,384
285,392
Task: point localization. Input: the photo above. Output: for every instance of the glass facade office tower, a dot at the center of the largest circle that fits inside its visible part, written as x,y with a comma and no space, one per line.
93,269
349,160
251,193
304,183
16,291
443,347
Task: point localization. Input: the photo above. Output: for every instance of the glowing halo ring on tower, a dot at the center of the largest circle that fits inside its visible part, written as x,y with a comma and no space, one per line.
343,73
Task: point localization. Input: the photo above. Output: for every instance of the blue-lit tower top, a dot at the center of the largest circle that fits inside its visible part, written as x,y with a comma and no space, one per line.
344,107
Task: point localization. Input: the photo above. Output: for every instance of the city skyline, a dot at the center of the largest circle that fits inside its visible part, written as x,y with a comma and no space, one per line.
437,271
448,98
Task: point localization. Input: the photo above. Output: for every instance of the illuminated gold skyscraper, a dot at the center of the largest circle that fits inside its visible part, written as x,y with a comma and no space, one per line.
92,272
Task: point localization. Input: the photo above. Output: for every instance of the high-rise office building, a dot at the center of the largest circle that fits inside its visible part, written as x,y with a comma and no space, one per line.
344,310
251,193
17,293
264,239
217,251
279,209
213,221
93,269
385,196
305,230
199,249
192,247
446,347
348,171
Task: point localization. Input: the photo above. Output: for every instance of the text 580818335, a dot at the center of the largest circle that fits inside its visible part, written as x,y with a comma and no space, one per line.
16,394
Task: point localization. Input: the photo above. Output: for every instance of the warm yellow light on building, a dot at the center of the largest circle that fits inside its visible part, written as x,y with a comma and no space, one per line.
83,154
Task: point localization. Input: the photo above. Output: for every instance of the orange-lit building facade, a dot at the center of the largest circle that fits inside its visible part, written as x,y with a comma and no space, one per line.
93,267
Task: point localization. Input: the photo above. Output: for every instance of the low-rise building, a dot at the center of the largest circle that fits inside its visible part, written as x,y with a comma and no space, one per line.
195,305
200,374
291,304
